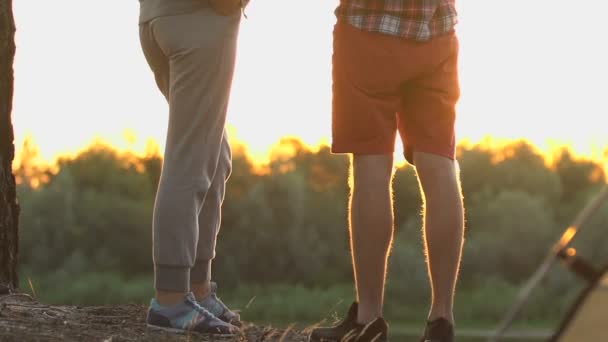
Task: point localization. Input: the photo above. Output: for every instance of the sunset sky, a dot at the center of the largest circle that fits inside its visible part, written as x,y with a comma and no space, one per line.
529,69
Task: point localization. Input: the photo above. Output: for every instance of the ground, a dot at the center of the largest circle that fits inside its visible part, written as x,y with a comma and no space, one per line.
24,319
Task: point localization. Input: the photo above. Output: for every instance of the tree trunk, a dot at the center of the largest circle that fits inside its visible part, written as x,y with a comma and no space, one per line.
9,208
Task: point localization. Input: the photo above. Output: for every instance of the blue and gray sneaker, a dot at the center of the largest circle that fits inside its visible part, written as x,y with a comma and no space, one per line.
215,305
185,317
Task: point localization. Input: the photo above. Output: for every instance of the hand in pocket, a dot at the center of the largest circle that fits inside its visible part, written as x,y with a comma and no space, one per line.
226,7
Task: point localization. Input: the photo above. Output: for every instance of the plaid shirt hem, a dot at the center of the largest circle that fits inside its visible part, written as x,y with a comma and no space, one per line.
420,20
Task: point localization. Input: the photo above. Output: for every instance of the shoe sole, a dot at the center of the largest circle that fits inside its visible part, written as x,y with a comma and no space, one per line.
182,331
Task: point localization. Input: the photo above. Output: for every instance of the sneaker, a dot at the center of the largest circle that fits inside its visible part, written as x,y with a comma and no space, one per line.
376,331
215,305
347,328
185,317
439,330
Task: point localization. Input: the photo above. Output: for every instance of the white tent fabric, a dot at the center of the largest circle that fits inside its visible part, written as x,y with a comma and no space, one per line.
588,318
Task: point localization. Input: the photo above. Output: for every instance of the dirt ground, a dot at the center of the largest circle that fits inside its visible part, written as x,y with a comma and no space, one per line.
24,319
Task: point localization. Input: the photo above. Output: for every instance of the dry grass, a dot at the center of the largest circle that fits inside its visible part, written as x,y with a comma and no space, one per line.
22,318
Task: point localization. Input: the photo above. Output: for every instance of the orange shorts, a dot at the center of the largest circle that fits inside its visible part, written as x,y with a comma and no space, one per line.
384,84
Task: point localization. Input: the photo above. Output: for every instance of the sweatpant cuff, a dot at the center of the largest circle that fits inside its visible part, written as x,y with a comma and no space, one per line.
201,272
172,278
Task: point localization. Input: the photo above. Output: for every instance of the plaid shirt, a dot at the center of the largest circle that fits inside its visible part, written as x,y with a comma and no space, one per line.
420,20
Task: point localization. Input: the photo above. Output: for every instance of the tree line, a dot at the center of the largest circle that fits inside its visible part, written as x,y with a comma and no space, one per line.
286,222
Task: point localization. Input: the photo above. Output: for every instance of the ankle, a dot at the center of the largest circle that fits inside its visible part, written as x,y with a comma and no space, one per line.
433,316
201,290
169,298
365,317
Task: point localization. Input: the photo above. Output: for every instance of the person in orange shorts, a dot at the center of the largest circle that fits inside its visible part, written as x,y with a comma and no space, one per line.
395,70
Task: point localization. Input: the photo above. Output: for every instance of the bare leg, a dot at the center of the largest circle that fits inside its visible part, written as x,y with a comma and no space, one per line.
443,228
371,230
201,290
169,298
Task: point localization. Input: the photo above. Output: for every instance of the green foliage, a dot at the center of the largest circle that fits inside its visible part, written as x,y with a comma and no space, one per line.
290,226
85,231
515,167
87,288
523,242
95,209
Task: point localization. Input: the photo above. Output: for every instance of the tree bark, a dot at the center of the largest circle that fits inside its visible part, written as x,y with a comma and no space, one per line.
9,207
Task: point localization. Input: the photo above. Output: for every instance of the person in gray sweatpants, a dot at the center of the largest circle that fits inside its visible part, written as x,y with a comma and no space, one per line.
191,49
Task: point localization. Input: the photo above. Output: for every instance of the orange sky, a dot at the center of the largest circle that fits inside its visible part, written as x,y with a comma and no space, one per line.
529,69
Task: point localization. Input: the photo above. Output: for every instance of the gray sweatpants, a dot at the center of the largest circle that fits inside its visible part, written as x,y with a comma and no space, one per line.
192,57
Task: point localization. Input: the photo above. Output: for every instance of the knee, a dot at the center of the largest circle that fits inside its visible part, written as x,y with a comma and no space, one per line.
435,167
438,175
217,189
224,165
372,170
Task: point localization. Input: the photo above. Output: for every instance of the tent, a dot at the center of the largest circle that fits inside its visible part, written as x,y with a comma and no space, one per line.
587,319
